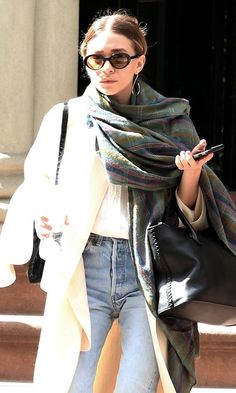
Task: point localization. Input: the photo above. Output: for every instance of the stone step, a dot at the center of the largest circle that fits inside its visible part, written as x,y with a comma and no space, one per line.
216,366
212,390
6,387
9,184
3,209
19,336
15,387
11,164
22,297
11,176
19,387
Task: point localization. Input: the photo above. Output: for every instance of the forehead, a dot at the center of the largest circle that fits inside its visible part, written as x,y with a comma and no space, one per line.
106,42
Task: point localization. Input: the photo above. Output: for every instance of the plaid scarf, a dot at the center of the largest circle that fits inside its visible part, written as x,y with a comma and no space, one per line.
138,144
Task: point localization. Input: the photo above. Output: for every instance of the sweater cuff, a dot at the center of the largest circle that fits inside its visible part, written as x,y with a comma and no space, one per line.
197,216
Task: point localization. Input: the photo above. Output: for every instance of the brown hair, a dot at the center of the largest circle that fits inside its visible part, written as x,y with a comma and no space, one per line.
119,22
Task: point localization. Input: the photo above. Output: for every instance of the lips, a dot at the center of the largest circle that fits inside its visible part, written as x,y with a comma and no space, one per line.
107,81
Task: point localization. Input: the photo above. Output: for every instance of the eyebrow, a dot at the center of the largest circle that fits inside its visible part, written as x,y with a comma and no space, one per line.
119,50
113,51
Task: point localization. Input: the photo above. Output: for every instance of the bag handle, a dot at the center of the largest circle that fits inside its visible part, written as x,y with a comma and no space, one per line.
62,138
185,221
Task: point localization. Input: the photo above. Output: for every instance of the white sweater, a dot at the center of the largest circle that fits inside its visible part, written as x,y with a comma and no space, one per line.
112,217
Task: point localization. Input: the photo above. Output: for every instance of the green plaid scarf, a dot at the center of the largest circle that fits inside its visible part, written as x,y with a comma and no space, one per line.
138,144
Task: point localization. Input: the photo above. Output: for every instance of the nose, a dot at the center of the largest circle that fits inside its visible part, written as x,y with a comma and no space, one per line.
107,67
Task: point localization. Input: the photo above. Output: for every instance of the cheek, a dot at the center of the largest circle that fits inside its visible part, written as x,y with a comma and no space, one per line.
130,75
94,76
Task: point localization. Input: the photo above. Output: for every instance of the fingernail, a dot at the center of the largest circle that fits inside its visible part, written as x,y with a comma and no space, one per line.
43,218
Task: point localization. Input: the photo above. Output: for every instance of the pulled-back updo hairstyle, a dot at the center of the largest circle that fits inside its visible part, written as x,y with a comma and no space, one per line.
118,22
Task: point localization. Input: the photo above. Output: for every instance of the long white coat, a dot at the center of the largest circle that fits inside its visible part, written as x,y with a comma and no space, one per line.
83,184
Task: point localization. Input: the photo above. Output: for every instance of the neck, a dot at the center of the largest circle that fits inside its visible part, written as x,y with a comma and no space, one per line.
123,96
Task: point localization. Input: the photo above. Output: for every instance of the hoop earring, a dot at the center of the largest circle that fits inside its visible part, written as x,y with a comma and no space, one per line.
136,93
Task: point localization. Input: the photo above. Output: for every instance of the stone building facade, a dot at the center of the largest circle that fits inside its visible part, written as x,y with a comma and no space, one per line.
38,68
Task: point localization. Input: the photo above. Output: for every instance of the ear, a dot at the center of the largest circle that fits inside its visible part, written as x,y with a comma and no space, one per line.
140,63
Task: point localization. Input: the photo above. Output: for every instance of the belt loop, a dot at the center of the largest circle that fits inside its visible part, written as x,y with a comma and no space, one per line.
99,240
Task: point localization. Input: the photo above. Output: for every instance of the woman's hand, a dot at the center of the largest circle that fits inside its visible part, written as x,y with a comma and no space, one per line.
44,229
188,187
185,161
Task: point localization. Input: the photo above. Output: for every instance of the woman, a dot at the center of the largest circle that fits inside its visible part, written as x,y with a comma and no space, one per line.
128,152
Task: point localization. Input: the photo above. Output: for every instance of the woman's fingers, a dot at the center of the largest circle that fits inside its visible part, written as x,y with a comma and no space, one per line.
45,224
43,228
66,222
201,146
185,161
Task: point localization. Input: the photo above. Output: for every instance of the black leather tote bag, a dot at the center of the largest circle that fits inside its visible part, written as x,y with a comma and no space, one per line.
195,274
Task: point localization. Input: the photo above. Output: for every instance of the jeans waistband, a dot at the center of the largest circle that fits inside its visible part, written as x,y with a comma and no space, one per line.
98,239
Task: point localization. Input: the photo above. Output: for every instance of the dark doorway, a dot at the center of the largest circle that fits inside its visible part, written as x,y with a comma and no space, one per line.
192,54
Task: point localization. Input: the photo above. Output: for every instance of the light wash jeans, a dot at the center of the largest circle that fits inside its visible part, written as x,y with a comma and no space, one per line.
113,293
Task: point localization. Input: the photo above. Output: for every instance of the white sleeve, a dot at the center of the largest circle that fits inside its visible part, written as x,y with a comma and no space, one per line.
16,238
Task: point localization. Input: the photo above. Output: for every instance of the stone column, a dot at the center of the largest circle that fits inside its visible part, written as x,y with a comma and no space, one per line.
38,68
56,54
38,65
17,20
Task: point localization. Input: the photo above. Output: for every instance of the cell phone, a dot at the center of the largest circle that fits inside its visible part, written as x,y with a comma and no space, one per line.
204,153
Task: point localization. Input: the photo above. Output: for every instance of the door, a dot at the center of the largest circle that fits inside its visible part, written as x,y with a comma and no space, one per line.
192,54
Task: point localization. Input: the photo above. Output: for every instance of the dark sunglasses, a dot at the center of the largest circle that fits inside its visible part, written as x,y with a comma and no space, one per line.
118,60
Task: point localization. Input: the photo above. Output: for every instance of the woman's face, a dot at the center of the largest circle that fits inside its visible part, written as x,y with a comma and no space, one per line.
110,80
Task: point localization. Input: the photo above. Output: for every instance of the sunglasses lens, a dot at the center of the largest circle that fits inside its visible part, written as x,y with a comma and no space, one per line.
120,60
94,62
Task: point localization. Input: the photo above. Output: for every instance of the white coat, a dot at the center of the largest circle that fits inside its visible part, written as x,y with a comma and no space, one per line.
83,184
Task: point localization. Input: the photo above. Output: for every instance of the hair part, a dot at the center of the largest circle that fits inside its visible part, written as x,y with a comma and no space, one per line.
118,22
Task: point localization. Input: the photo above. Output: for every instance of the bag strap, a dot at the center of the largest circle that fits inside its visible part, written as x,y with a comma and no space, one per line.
185,221
62,138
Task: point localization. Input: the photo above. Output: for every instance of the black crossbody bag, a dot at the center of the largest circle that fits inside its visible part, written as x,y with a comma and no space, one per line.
36,263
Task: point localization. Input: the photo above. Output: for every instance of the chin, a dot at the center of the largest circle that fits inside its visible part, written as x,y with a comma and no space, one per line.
107,91
122,96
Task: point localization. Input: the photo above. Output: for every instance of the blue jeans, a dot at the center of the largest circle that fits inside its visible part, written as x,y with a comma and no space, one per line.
113,293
